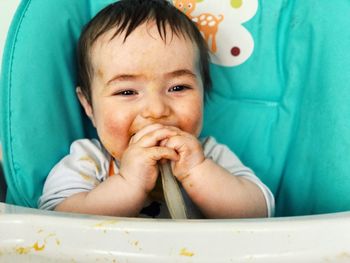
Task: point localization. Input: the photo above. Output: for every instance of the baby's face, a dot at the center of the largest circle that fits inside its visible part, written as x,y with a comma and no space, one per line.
144,81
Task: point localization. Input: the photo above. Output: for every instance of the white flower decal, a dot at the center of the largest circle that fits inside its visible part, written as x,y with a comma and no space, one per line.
220,22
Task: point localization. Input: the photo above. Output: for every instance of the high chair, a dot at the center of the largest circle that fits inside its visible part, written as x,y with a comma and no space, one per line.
280,101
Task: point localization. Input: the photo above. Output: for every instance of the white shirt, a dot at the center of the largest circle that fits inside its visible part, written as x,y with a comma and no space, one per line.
88,164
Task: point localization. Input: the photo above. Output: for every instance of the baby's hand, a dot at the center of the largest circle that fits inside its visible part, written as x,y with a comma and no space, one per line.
138,164
189,150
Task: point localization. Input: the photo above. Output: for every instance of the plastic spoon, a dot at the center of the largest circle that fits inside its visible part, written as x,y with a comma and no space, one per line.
172,192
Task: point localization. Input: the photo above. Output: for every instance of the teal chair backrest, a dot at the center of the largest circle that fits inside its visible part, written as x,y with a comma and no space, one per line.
280,98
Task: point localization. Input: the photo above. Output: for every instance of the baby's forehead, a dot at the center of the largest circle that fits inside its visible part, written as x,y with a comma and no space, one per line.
111,39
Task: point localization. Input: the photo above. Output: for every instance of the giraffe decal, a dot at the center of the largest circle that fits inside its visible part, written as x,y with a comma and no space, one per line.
220,23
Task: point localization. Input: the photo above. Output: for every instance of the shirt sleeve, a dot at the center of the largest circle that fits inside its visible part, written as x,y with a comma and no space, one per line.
81,170
224,157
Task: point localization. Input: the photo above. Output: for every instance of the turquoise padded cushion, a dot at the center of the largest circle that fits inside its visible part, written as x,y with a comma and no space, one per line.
285,111
39,110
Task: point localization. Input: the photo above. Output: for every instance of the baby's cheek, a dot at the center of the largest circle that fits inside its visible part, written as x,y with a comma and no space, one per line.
115,139
197,125
193,122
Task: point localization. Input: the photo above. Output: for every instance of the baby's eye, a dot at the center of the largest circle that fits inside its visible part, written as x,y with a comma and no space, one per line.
126,93
178,88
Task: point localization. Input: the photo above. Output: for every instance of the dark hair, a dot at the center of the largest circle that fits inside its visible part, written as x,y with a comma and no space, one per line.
127,15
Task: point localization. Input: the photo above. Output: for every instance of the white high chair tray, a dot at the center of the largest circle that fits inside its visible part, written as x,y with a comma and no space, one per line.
30,235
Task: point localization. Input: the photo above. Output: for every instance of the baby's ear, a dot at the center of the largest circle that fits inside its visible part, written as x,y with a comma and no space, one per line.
86,104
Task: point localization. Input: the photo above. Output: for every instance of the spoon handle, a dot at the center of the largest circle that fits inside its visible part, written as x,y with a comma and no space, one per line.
172,192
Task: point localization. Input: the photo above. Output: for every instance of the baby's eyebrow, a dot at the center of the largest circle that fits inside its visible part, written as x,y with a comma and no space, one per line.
124,77
181,72
134,77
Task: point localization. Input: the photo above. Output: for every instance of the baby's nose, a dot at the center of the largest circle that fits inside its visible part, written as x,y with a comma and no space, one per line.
156,107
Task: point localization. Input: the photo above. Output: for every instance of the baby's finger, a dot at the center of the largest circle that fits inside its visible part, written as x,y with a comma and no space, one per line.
155,137
180,132
158,153
146,129
163,142
181,143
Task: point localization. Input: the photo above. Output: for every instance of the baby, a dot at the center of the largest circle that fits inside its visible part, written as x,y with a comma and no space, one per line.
143,71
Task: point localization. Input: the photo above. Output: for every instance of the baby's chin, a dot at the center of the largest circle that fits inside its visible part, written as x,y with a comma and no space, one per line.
116,153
